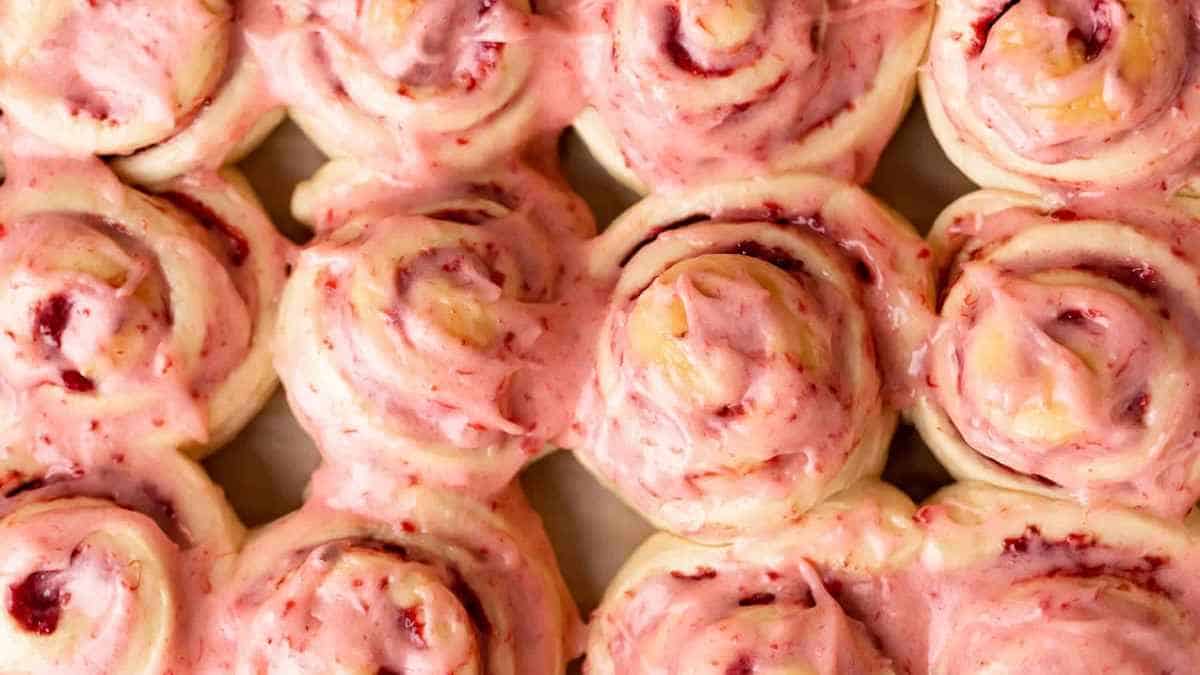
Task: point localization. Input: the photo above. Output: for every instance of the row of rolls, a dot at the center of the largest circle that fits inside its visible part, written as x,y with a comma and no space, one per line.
1057,95
732,361
143,568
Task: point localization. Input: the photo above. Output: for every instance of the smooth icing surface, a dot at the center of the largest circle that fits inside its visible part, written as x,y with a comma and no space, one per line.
134,321
699,91
438,332
1065,359
755,351
427,582
1066,95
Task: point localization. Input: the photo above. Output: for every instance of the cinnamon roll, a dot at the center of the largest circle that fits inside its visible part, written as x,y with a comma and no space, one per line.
131,321
814,599
755,351
1065,359
453,84
685,91
1067,95
1029,584
436,583
165,88
110,568
431,333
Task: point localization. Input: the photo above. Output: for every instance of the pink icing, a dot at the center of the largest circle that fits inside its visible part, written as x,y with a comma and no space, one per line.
684,109
1006,95
499,403
1109,394
76,344
738,620
771,434
1073,605
449,84
121,62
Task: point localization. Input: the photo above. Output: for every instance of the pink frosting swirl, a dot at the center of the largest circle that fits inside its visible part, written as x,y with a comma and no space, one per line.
110,569
1064,360
435,583
429,84
1074,94
436,338
686,91
754,353
170,85
131,322
816,598
1020,584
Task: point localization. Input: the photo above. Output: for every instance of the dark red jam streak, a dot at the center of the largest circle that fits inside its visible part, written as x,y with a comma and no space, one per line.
1075,546
983,28
51,320
679,54
36,603
413,627
237,245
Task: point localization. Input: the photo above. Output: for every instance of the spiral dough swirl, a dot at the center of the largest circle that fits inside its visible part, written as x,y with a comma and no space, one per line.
133,321
167,88
690,91
110,569
755,351
1065,359
443,584
1026,584
434,339
765,606
1066,94
436,83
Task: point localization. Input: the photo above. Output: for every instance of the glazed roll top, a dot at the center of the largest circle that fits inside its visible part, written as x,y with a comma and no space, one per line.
439,584
133,320
755,351
436,339
690,91
441,83
795,604
108,569
1027,584
113,78
1065,359
1066,94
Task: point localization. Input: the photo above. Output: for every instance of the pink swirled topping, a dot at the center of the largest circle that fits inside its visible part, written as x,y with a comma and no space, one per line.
1074,592
131,322
1064,360
445,339
696,91
451,83
111,77
105,571
740,621
754,353
448,586
1078,94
